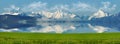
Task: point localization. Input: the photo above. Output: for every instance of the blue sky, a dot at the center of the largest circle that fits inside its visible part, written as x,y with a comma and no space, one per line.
75,6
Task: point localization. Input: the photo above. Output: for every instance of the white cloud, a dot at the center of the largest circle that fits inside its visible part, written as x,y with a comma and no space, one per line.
82,7
36,6
75,8
11,8
108,7
60,7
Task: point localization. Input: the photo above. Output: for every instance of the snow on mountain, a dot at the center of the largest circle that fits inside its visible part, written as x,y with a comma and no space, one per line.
56,15
10,13
98,14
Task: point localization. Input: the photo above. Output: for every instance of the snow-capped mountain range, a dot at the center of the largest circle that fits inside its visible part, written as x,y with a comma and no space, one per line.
58,14
45,14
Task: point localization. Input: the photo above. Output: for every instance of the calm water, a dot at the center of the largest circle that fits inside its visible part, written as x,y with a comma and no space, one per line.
65,27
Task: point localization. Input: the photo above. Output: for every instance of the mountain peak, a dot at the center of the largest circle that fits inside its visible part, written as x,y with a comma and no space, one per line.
99,14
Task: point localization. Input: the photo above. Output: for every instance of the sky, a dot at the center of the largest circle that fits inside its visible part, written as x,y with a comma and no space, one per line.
79,7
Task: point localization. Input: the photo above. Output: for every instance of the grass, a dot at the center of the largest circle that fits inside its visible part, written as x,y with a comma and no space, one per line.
51,38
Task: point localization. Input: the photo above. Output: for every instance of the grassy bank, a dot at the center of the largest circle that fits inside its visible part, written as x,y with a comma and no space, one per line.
42,38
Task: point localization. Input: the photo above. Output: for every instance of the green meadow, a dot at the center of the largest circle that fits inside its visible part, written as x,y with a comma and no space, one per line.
52,38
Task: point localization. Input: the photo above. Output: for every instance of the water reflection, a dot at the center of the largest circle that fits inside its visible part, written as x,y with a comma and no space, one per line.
65,27
99,29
